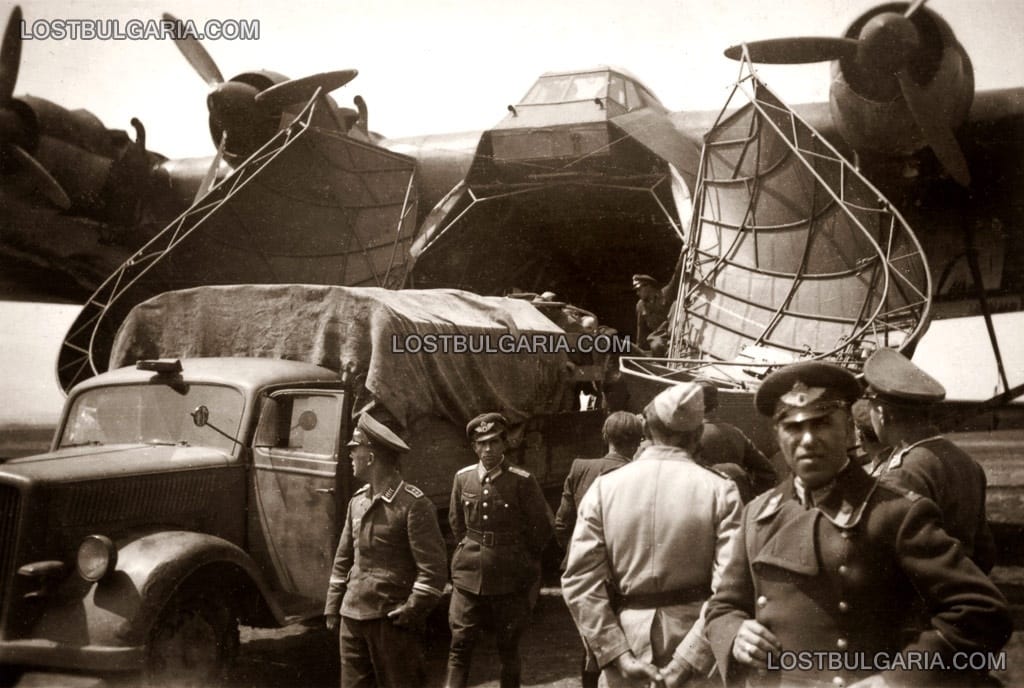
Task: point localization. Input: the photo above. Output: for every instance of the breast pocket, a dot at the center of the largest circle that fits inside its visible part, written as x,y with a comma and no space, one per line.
471,508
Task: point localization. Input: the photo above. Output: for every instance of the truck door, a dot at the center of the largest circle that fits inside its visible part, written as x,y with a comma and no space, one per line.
293,524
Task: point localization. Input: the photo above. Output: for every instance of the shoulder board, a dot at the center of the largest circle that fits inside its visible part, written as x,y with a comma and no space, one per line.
467,468
413,490
364,488
900,490
518,471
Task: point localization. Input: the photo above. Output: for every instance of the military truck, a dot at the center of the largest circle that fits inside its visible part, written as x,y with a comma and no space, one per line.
201,481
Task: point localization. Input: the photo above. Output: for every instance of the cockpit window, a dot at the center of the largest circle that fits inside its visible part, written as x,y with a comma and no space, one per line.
617,90
567,88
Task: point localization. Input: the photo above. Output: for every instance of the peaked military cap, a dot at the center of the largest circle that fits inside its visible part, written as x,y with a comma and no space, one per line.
640,280
807,389
369,430
486,426
894,377
680,407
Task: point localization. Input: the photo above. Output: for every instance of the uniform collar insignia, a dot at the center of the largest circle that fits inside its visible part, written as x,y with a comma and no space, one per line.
801,395
389,494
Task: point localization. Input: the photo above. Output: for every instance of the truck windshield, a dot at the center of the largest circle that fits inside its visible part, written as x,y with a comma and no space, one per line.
153,414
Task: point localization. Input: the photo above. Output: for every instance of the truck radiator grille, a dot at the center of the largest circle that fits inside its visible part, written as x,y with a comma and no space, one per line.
9,502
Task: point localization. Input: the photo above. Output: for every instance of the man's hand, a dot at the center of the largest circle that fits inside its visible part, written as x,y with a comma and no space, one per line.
331,621
752,644
406,615
676,673
631,667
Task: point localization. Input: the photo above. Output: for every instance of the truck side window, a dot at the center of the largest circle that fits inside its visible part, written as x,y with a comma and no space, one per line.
305,423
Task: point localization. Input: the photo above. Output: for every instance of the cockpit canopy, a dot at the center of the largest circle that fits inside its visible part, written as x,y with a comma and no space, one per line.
569,87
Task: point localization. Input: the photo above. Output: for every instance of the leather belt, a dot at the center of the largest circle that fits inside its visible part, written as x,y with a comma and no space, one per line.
490,538
666,598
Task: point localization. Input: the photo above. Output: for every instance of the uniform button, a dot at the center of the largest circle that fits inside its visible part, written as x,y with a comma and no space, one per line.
485,517
839,682
845,534
762,601
485,503
841,643
843,569
843,607
486,492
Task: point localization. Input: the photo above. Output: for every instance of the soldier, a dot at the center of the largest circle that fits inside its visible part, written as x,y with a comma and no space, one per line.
922,460
622,433
649,546
724,443
652,307
831,568
390,568
501,523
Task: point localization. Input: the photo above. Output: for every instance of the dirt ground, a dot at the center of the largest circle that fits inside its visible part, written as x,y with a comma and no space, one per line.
551,652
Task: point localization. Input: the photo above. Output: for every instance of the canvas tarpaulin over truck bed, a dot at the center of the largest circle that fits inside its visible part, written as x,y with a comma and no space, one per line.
357,328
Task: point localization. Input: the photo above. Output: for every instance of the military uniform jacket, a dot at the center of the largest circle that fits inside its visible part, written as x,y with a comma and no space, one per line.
581,476
502,524
934,467
853,575
725,443
659,524
391,551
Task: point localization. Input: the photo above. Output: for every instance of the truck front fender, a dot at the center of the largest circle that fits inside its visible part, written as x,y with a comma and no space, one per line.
121,608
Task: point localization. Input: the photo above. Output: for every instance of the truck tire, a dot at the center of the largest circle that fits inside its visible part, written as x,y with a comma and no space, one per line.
193,643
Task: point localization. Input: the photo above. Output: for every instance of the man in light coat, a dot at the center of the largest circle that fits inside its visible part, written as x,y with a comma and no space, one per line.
650,543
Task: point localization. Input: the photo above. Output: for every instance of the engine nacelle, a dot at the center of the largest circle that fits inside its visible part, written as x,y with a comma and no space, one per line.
868,107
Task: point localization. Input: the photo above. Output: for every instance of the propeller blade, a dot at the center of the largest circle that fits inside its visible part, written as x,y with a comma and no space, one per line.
937,133
796,50
914,7
197,56
281,95
45,183
211,173
10,55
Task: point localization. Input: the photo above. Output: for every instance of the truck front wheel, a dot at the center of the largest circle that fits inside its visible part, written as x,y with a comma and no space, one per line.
193,643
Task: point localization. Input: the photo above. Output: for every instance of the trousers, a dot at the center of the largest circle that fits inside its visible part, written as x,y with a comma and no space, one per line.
376,652
468,614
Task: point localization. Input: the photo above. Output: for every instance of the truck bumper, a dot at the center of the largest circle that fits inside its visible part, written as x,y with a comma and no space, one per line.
46,653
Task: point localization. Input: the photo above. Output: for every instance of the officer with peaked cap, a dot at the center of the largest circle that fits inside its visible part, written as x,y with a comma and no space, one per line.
835,566
650,544
901,397
501,523
390,568
653,303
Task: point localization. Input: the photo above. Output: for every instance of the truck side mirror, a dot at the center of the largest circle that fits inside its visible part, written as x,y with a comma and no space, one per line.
200,416
307,420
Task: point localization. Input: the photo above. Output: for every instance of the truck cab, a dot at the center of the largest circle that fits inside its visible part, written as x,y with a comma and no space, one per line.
178,498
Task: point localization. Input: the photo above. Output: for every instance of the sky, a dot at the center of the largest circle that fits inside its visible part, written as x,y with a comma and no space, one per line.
425,67
455,66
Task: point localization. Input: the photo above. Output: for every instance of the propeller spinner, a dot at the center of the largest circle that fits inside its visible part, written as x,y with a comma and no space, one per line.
245,111
884,53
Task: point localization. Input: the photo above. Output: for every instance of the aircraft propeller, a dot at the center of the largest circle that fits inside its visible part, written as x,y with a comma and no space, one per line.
16,129
245,111
885,49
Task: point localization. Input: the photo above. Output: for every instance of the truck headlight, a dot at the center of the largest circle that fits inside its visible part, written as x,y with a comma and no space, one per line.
97,556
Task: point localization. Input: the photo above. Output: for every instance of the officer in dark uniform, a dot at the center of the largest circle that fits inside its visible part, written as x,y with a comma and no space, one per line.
725,447
653,303
831,568
390,568
922,460
501,523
